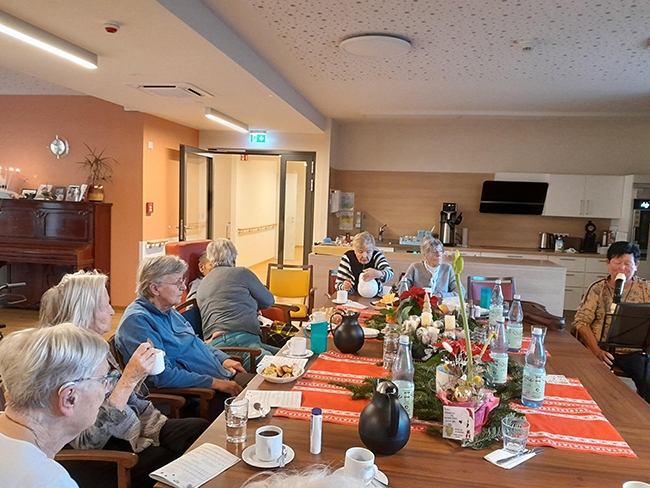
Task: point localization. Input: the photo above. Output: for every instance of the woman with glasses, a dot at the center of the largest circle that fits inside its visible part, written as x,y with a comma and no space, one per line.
54,380
127,421
189,362
431,274
364,262
230,298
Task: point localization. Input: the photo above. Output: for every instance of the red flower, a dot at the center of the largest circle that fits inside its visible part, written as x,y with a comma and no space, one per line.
419,294
458,346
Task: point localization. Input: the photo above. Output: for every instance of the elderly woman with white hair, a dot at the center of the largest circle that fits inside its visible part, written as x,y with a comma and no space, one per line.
189,362
55,380
127,421
229,299
364,262
431,274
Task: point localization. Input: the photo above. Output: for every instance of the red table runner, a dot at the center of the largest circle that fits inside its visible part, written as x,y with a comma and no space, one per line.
571,420
336,402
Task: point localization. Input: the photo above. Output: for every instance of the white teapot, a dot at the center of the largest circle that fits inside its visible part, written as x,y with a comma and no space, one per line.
367,289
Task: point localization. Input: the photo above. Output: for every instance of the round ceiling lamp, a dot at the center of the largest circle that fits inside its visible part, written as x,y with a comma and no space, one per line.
375,46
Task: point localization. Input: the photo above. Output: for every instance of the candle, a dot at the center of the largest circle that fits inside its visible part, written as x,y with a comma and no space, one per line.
426,319
450,322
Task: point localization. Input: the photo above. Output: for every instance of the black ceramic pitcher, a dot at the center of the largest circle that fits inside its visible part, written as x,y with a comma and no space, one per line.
348,336
384,425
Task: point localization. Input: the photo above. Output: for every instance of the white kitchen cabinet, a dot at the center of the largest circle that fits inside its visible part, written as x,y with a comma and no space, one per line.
510,255
572,297
575,278
571,263
565,197
596,265
584,196
450,253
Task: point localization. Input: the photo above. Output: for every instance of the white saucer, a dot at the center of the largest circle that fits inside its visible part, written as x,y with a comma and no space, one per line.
380,476
370,333
340,302
308,354
249,457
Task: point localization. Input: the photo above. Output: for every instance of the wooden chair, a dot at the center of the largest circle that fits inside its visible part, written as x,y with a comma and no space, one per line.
293,281
124,460
190,252
475,283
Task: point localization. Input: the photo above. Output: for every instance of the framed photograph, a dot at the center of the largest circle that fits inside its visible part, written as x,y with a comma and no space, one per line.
42,189
59,193
83,191
28,193
73,194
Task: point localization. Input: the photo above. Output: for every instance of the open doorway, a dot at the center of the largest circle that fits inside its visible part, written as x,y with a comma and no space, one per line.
262,201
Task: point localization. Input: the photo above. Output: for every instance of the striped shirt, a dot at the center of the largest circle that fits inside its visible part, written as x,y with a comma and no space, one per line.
350,268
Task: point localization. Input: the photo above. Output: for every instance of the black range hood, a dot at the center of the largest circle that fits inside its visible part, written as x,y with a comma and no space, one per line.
513,197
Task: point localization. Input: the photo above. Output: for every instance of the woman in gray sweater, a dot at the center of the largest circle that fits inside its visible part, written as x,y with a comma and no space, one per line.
431,273
229,299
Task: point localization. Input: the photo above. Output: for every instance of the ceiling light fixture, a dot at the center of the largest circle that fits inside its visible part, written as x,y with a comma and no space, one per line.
375,46
224,119
21,30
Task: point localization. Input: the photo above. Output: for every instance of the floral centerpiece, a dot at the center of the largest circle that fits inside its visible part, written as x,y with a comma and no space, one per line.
451,370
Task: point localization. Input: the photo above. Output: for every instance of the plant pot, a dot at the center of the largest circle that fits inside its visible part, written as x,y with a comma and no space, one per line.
96,193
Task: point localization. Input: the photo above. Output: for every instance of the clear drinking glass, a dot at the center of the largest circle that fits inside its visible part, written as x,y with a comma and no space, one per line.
391,344
515,434
236,410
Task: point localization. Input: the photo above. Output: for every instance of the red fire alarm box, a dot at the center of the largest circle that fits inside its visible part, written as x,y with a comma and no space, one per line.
149,208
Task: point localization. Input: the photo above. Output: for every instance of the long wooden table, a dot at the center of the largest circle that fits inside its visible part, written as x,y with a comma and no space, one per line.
433,461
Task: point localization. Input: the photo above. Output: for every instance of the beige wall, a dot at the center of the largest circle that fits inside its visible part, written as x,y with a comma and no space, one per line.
489,145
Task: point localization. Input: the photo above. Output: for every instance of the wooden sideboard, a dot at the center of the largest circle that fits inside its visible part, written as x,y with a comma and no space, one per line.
41,240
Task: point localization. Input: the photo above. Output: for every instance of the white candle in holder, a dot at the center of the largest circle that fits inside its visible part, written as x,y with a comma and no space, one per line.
450,322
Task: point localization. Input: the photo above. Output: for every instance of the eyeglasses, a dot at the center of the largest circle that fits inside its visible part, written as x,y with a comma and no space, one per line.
180,284
108,381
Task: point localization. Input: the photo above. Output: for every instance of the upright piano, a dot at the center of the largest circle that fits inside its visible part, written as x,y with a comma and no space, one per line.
41,240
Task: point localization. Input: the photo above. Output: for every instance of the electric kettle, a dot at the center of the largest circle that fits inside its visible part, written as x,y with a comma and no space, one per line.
546,241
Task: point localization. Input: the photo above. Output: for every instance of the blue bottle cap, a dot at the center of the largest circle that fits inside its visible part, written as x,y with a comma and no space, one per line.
316,411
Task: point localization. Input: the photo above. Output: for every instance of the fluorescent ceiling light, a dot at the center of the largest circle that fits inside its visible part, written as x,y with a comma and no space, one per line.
31,34
234,124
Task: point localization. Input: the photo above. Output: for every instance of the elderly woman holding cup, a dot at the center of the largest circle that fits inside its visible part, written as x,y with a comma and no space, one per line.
431,273
54,380
127,421
363,263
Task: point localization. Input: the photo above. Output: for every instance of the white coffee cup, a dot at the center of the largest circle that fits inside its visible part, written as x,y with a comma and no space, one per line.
360,464
268,443
318,317
342,296
635,484
159,366
297,346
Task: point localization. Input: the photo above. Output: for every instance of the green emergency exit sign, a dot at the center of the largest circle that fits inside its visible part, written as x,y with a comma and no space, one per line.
258,137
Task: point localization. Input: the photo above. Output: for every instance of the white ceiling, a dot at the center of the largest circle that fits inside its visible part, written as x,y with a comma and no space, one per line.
275,64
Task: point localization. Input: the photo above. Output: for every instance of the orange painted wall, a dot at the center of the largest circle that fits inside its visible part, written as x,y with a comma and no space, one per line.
29,123
161,174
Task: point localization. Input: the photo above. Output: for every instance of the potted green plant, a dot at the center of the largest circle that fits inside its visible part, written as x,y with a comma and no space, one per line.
100,170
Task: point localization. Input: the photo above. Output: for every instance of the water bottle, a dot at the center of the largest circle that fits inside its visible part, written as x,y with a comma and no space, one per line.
496,305
515,325
532,391
498,368
403,374
391,346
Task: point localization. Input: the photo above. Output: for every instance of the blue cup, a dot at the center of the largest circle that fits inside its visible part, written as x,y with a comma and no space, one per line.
317,336
486,297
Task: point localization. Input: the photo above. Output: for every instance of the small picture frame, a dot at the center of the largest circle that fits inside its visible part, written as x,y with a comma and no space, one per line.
83,192
59,193
29,193
73,193
42,190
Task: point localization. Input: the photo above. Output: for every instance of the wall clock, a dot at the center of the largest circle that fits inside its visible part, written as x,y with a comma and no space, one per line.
59,147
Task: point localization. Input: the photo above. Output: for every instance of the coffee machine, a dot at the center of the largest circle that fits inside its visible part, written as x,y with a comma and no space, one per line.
448,222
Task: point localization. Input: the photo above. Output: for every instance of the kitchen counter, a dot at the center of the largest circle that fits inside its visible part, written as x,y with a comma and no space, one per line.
389,247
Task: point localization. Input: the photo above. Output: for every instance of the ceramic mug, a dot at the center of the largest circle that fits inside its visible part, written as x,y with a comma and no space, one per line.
268,443
317,336
360,464
159,365
318,317
297,346
342,296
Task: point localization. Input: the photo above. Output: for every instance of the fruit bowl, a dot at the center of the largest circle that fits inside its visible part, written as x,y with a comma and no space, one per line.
297,372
